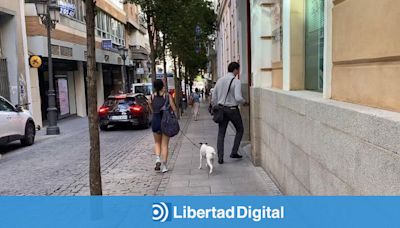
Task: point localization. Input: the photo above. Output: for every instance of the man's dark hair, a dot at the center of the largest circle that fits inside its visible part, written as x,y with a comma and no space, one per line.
233,66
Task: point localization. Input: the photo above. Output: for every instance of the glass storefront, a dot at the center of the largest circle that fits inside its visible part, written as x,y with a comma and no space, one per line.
63,85
314,44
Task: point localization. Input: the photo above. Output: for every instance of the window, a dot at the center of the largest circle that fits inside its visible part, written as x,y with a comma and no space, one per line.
109,28
141,99
5,106
314,45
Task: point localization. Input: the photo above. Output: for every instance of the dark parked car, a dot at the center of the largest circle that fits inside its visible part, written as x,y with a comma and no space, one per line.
125,109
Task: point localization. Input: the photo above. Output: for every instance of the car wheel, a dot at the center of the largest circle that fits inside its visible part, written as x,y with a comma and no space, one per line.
29,137
103,127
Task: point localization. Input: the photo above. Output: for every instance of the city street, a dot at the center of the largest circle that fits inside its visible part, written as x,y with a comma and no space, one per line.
59,165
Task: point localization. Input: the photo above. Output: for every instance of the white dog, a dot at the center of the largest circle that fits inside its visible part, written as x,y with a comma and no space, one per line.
208,153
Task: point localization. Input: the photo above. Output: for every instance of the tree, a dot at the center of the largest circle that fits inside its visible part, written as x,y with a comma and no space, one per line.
186,27
94,165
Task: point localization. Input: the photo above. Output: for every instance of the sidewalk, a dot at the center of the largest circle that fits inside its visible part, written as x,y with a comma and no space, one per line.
234,177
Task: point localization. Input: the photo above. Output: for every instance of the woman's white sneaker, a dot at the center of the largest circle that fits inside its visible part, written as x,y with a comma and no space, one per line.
164,168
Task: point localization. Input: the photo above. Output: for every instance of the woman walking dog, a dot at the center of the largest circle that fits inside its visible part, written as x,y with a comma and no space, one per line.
160,100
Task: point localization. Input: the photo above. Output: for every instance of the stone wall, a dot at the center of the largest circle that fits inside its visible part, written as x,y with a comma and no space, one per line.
313,146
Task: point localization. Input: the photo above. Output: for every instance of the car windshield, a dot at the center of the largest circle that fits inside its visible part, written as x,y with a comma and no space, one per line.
144,89
112,102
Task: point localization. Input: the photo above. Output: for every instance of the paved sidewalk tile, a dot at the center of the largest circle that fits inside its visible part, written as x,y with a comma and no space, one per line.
234,177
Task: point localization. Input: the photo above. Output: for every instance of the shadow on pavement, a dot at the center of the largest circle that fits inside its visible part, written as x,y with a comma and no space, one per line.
6,148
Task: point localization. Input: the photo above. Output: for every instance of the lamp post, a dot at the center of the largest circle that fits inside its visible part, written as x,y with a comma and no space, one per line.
123,52
49,13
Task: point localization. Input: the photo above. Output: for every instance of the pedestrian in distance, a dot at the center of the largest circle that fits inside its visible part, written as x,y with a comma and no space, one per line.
157,102
227,94
196,103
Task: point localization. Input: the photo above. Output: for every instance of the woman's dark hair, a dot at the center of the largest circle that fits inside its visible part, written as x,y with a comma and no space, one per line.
233,66
158,85
196,90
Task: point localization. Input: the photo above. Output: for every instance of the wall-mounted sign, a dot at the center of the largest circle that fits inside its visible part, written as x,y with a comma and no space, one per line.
106,44
106,58
35,61
67,8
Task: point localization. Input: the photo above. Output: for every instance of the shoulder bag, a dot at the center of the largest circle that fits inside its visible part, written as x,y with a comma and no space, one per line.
218,110
169,123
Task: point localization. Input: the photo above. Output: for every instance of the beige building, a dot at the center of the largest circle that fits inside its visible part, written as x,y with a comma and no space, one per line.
325,99
14,85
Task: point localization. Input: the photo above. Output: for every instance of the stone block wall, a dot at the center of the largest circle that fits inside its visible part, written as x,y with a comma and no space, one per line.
314,146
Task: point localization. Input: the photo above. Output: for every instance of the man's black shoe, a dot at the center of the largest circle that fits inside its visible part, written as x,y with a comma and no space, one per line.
236,156
221,161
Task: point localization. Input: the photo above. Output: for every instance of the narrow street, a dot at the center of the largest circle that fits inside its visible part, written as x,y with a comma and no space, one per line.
59,165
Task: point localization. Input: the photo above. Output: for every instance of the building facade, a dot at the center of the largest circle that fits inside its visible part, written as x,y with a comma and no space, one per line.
138,44
325,103
14,83
69,55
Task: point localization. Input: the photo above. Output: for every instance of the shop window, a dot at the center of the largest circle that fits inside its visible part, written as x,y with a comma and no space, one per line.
314,45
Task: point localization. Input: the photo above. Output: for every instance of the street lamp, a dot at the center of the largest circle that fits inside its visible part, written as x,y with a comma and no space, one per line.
49,13
123,52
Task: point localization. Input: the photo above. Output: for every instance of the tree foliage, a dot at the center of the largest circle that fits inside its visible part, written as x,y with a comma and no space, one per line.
186,26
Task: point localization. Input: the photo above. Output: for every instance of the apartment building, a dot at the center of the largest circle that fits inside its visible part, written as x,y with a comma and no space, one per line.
14,83
138,44
113,19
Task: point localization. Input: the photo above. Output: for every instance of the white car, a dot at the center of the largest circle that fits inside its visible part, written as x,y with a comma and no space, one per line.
144,88
15,124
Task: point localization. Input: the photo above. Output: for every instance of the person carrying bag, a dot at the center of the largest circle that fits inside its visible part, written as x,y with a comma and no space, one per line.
164,123
227,100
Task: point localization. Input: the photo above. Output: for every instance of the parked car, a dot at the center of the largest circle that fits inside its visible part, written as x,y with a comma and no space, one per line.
16,124
125,109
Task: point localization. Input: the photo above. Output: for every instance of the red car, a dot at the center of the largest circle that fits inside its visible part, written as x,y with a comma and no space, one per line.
125,109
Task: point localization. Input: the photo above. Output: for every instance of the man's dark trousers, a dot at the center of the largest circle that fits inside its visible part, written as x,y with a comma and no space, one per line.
231,114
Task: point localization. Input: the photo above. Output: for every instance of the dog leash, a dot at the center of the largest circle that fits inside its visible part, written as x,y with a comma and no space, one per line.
193,143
